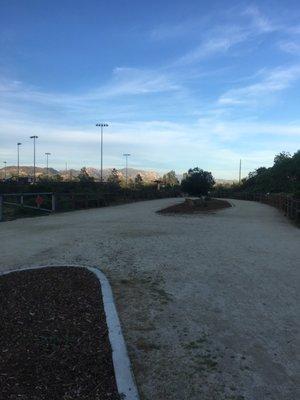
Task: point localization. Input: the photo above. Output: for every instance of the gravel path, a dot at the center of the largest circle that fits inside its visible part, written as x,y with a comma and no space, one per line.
208,302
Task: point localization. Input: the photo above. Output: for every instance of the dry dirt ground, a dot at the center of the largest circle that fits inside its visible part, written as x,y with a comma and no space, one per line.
209,303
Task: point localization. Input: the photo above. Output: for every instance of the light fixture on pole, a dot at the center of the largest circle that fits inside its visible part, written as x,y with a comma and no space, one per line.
101,125
4,162
47,156
18,147
34,137
126,155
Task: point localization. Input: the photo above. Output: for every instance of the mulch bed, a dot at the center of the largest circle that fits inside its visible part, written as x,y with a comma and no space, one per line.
192,207
53,337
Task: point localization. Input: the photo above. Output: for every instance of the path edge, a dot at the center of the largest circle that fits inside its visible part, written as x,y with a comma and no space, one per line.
122,367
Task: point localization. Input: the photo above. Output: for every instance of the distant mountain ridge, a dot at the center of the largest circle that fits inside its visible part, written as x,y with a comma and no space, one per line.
147,176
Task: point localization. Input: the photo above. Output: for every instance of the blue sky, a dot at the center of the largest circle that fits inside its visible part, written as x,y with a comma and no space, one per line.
181,84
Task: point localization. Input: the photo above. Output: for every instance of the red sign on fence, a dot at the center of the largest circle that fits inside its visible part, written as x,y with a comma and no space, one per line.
39,201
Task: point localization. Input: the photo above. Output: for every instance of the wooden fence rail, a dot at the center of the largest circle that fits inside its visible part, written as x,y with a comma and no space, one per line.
55,202
43,201
286,203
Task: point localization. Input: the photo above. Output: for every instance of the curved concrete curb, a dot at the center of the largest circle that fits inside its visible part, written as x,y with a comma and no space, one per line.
123,372
124,376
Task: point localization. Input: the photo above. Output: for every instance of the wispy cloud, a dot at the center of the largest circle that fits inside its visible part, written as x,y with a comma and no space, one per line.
259,21
217,41
134,81
153,112
274,81
158,144
124,82
290,46
217,45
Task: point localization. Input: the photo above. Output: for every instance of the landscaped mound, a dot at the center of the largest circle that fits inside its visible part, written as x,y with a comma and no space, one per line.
54,337
194,206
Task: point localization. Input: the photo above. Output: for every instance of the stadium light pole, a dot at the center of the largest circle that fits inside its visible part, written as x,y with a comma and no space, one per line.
102,125
18,148
4,162
34,137
126,155
47,156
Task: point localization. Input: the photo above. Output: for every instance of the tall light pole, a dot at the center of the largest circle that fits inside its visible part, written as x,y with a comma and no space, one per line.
18,147
102,125
47,157
34,137
240,171
4,162
126,155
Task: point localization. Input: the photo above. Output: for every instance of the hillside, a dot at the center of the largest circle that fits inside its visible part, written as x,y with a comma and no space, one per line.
148,176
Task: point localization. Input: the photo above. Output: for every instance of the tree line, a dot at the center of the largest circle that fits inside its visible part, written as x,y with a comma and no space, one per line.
282,177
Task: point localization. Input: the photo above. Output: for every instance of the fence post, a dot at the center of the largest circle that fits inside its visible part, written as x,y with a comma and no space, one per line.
73,201
297,202
1,208
53,202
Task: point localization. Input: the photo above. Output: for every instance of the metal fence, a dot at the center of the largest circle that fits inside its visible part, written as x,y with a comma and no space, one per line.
286,203
43,201
54,202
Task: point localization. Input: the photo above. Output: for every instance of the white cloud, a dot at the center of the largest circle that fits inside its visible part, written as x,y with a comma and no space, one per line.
133,81
158,144
213,46
217,41
124,82
259,21
290,46
161,97
275,81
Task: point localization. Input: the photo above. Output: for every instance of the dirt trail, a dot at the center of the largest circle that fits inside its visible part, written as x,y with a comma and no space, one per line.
208,302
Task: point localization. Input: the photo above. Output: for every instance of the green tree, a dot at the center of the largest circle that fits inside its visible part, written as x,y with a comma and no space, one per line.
138,181
44,178
114,178
57,178
281,158
197,182
84,177
283,176
170,179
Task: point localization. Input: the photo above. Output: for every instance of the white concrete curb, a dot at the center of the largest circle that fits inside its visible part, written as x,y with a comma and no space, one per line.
123,372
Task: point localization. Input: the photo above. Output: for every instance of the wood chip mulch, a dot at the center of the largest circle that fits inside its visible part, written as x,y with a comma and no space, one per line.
189,207
53,337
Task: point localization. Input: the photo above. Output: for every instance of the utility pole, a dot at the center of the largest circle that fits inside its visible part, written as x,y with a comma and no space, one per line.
34,137
18,148
66,171
47,157
126,155
240,171
102,125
